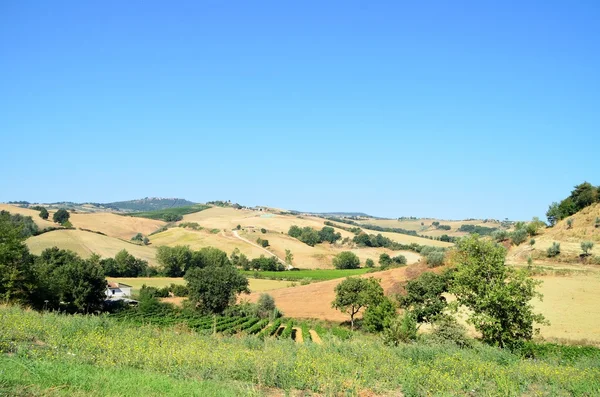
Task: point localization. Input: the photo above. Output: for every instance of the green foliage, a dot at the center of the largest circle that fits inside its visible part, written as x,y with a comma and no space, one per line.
399,260
289,258
385,260
61,216
582,196
312,237
213,288
532,242
402,329
24,224
346,260
149,204
477,229
446,330
369,263
125,265
423,296
308,274
379,316
68,282
553,250
191,225
328,234
597,223
138,237
586,247
262,242
265,306
519,236
498,296
171,214
354,294
534,226
270,264
44,213
287,332
500,235
570,223
174,261
435,258
263,230
17,281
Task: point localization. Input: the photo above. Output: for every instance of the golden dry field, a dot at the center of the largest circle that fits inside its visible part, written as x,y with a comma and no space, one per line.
85,243
426,228
256,285
124,227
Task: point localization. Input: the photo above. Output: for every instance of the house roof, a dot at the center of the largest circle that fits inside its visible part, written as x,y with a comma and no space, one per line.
117,285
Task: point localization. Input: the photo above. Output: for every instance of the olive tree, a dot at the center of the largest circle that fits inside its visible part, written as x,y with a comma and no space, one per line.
586,247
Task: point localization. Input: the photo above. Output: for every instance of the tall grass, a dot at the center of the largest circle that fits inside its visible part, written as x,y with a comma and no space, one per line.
346,367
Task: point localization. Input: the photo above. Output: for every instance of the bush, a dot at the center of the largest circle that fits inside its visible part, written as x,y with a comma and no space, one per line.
446,330
369,263
597,224
262,243
377,317
570,223
399,260
346,260
402,329
265,306
586,247
61,216
385,260
263,230
43,213
532,242
172,217
519,236
554,250
500,235
435,258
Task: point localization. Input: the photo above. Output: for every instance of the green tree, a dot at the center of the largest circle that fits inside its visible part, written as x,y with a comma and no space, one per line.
533,226
570,223
309,236
66,279
289,258
402,329
210,256
553,250
354,294
369,263
328,234
294,231
553,214
16,274
213,288
519,236
435,258
385,260
174,261
61,216
498,296
44,213
423,296
379,316
586,247
265,306
346,260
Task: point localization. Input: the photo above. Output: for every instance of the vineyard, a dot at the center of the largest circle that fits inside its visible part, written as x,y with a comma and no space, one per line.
225,325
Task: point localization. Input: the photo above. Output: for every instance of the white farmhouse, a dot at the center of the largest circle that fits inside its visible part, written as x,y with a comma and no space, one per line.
118,290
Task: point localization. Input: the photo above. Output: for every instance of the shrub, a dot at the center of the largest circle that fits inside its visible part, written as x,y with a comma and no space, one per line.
169,217
138,237
435,258
554,250
377,317
263,230
43,213
265,306
369,263
532,242
399,260
61,216
597,224
570,223
586,247
262,243
500,235
346,260
402,329
385,260
519,236
447,330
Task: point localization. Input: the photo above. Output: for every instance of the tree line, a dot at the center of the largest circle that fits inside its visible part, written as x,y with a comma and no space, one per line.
583,195
312,237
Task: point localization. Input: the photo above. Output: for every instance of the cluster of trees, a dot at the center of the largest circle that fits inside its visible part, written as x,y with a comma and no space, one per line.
522,231
583,195
141,238
437,225
312,237
386,261
498,298
477,229
346,260
354,229
62,217
57,279
126,265
43,211
24,224
262,242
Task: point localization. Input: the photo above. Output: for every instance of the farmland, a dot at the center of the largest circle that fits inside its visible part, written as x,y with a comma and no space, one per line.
313,275
256,285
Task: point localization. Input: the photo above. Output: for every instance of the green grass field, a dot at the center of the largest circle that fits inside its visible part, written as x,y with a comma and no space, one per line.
315,275
56,354
160,214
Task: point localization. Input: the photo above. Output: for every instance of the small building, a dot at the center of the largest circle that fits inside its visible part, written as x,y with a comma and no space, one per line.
118,290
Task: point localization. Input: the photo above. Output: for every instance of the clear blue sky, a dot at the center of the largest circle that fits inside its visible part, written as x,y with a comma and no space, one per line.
450,109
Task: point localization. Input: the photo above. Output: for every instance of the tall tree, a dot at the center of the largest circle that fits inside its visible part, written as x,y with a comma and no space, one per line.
214,288
16,276
61,216
354,294
498,296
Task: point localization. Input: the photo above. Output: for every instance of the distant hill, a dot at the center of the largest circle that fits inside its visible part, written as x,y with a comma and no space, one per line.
149,204
342,214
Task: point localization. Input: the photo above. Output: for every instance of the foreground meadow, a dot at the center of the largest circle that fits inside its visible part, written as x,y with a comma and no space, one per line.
102,349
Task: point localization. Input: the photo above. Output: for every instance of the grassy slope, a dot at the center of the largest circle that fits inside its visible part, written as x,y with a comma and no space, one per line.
95,350
25,377
85,243
113,225
426,229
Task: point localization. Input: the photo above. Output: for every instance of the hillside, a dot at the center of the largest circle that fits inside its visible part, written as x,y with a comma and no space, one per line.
85,243
123,227
35,215
570,238
150,204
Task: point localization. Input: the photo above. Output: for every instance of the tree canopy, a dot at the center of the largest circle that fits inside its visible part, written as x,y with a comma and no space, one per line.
354,294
